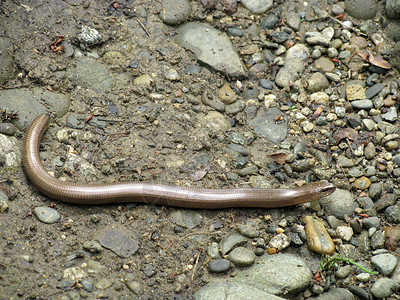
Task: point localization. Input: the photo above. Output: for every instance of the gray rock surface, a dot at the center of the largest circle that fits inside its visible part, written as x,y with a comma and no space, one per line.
211,47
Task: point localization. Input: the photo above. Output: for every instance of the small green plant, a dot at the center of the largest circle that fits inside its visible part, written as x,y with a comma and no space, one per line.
327,263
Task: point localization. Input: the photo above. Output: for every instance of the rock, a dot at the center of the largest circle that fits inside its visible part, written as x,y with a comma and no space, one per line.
203,39
6,60
172,75
299,51
290,72
89,36
336,293
242,257
340,203
232,241
344,232
257,6
384,263
46,214
186,218
374,90
324,64
384,287
391,114
32,102
143,80
120,241
317,82
392,235
219,265
320,98
392,214
355,91
279,242
344,162
362,183
361,9
318,239
319,38
91,74
232,290
226,94
266,126
370,151
362,104
393,9
293,20
280,274
175,12
10,153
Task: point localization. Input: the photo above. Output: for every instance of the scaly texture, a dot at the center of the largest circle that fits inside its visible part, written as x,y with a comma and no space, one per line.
190,197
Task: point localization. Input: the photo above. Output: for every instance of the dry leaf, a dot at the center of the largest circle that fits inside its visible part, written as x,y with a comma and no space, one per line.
345,133
198,175
279,158
375,60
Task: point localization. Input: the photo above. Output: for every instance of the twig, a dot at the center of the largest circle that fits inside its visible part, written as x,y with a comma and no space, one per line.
195,265
143,27
18,86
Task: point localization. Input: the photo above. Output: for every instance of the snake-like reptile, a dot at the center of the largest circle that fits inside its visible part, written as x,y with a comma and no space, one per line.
189,197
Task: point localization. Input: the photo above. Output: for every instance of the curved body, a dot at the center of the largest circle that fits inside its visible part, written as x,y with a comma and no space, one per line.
190,197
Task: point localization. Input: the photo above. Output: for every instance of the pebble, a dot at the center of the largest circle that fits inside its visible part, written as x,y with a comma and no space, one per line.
344,162
384,287
8,129
371,222
148,270
324,64
343,272
120,241
186,218
232,241
392,235
362,183
317,82
290,72
392,214
172,74
339,204
174,12
219,265
257,6
242,257
279,242
391,115
134,286
46,214
378,239
362,104
226,94
266,126
319,97
361,9
318,239
384,263
192,35
374,90
344,232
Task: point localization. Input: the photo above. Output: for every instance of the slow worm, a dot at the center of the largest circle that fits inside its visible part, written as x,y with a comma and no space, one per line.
190,197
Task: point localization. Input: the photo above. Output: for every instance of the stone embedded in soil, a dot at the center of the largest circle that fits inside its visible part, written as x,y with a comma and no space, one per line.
266,125
232,241
31,102
339,204
384,263
361,9
290,72
317,82
362,183
384,287
211,47
123,243
318,239
9,151
242,257
46,214
186,218
280,274
174,12
91,74
219,265
232,290
6,60
226,94
257,6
